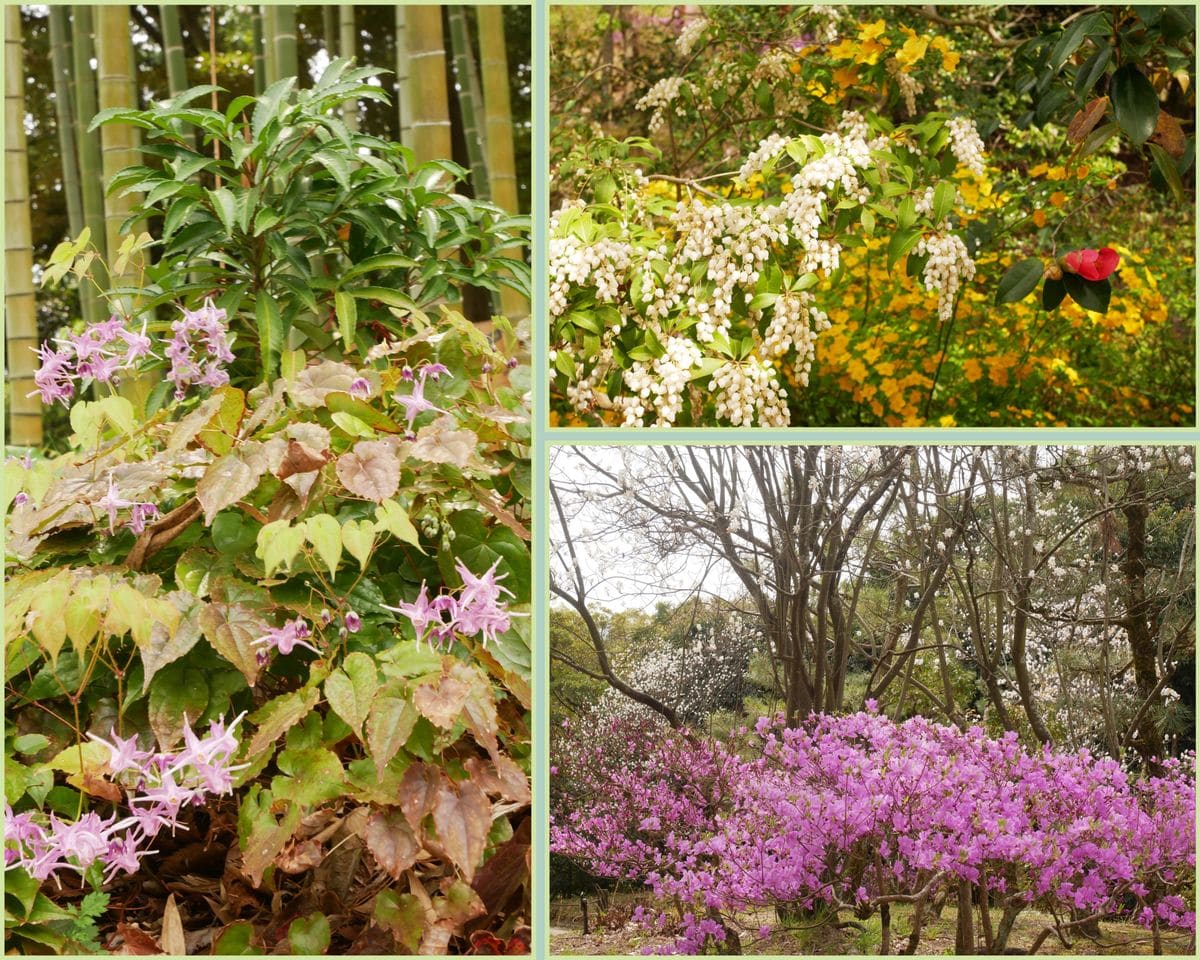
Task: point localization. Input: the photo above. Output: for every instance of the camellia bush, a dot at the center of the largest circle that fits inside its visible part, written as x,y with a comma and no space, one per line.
856,814
268,665
810,218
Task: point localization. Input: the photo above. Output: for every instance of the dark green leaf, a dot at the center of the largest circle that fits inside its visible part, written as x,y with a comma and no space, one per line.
1134,102
1019,281
1092,295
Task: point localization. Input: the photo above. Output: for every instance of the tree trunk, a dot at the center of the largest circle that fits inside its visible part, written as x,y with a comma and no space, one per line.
403,104
469,99
1148,741
20,305
428,97
88,142
348,48
498,121
964,933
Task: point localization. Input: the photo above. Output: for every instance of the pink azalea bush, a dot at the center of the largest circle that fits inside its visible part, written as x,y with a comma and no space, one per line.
854,811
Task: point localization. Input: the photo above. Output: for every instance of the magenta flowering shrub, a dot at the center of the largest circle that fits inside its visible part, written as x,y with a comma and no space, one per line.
856,812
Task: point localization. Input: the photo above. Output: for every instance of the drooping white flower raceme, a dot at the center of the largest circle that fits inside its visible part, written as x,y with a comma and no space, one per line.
949,264
965,144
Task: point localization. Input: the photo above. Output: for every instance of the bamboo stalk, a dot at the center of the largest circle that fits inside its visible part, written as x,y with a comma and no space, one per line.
428,98
497,106
87,142
284,40
348,48
177,80
64,115
270,15
469,99
118,146
403,107
20,305
260,58
329,22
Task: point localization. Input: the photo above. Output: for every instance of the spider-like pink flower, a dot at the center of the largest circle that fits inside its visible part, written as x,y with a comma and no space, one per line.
286,638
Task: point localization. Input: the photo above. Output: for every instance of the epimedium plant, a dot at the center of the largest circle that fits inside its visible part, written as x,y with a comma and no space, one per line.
310,540
333,554
303,231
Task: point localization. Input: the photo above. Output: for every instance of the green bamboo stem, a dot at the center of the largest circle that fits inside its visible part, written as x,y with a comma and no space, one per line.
348,48
427,94
284,41
64,115
87,141
177,79
260,59
403,108
469,99
501,160
270,16
20,305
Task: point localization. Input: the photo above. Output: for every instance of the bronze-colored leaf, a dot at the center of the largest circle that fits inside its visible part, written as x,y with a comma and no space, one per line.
138,943
225,482
371,470
301,458
441,701
463,818
299,857
506,870
460,904
418,791
392,842
232,628
1169,135
1085,120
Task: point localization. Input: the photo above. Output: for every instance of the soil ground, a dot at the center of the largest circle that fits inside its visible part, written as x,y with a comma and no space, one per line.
612,933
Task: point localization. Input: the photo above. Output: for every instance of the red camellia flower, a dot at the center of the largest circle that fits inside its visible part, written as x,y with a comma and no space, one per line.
1092,264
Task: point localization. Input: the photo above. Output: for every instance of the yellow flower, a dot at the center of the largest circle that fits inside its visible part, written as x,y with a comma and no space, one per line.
947,421
1058,198
912,52
972,370
844,49
1039,218
949,57
845,77
869,31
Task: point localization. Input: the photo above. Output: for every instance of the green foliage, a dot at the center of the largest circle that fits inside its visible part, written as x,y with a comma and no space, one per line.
305,231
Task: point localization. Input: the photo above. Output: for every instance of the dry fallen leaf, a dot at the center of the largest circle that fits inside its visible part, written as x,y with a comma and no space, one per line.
173,943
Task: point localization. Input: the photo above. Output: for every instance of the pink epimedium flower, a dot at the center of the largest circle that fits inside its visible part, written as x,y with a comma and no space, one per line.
414,403
286,638
360,388
1092,264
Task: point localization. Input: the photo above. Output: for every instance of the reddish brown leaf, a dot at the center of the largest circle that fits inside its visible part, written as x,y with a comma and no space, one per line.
99,787
299,857
1169,135
418,790
301,459
442,700
371,470
463,817
1085,120
392,842
506,870
138,942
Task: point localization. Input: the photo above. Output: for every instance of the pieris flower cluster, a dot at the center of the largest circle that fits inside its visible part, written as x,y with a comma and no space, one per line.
948,265
965,144
795,323
766,151
478,610
159,787
660,97
747,391
802,815
661,384
601,265
691,33
97,355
